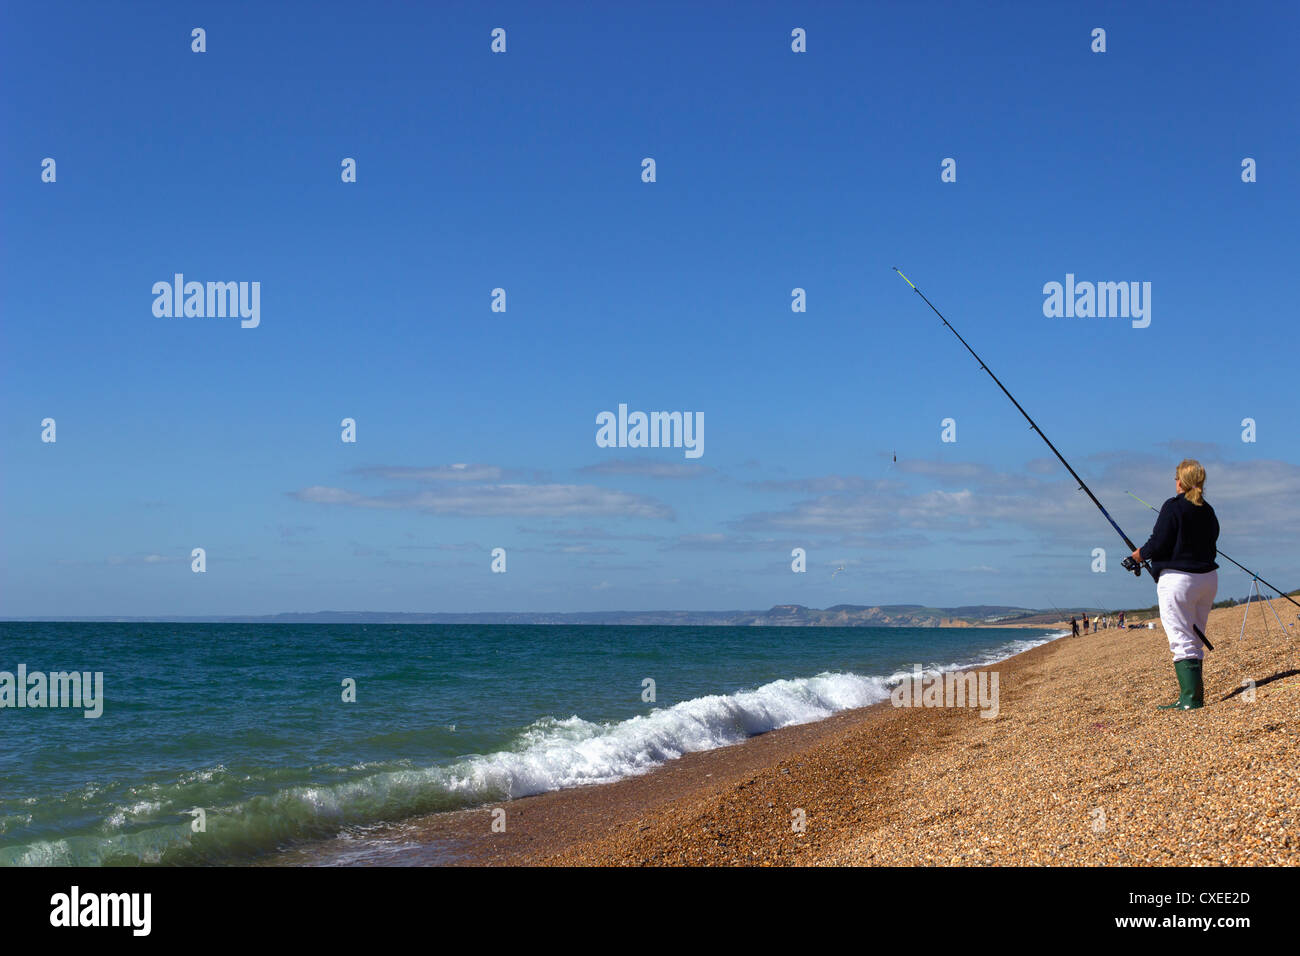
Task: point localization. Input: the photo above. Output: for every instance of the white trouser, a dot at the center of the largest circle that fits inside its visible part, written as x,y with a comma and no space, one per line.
1186,599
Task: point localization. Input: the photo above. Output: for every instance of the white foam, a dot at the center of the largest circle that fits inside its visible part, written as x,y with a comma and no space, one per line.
994,656
554,754
142,809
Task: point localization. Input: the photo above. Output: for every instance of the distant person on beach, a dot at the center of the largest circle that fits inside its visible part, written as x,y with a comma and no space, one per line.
1074,626
1182,549
1121,620
1085,622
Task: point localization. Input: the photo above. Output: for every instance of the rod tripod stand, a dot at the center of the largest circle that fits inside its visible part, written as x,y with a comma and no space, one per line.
1255,597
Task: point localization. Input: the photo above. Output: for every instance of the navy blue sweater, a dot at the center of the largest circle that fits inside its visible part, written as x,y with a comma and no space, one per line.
1184,539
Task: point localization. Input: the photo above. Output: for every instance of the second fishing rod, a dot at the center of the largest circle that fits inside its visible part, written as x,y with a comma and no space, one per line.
1129,563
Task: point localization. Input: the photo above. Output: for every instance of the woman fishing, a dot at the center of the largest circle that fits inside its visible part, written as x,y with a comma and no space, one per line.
1182,549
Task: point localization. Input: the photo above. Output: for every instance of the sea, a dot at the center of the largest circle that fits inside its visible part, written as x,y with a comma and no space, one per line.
232,743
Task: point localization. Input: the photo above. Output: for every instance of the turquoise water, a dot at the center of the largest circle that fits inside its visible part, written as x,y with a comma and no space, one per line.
247,722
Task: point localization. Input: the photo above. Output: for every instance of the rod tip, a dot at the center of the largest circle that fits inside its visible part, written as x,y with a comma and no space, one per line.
903,277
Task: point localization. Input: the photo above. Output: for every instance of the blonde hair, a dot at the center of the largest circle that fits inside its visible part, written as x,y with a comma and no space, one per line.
1192,476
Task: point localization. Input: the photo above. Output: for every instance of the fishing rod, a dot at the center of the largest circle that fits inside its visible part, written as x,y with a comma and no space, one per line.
1129,563
1063,617
1226,558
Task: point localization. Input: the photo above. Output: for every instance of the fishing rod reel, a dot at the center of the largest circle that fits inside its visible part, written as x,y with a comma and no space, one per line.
1131,565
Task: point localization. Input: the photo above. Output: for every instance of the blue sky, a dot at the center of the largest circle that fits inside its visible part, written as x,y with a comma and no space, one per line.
522,170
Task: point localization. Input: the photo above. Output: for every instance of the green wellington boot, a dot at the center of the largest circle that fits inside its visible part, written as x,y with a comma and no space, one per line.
1191,690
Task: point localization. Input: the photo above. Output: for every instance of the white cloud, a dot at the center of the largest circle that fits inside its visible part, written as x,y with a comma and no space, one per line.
648,468
499,499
